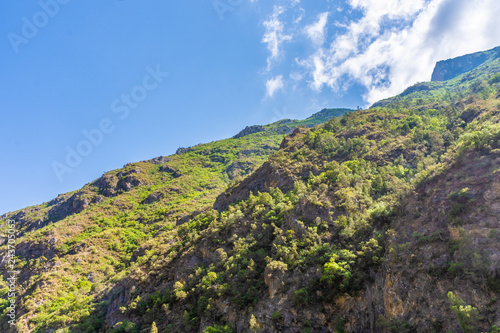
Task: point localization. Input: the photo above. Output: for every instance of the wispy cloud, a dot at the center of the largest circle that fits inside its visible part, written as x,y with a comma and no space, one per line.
274,84
274,35
316,31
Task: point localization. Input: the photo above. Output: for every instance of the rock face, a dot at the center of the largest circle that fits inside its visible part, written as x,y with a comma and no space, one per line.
295,133
451,68
412,286
263,179
249,130
238,168
109,185
260,181
153,197
183,150
274,276
173,172
156,160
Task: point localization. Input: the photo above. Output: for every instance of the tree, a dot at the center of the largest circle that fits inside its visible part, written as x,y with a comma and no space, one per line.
467,315
254,324
338,269
154,329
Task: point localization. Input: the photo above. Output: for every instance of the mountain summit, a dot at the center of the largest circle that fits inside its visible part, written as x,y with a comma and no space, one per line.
451,68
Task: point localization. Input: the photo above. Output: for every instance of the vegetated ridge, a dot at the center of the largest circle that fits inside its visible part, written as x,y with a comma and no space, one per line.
382,220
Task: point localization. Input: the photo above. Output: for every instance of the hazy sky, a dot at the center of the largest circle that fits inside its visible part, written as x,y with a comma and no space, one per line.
88,86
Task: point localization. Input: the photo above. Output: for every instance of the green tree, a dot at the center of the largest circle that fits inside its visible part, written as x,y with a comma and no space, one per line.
154,329
467,315
338,269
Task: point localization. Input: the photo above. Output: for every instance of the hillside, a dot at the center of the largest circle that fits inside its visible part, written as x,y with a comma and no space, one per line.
105,226
381,220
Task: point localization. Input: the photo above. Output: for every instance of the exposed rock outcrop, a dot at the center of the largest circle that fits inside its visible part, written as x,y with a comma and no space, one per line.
156,160
261,180
451,68
295,133
153,197
249,130
183,150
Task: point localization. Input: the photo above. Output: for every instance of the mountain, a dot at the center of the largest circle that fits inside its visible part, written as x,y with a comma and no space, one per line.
113,218
377,220
451,68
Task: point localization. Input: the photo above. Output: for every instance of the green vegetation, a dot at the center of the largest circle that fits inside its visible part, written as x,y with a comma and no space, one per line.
154,329
396,326
218,329
467,315
143,249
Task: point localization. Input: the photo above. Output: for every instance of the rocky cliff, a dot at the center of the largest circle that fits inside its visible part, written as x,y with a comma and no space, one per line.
451,68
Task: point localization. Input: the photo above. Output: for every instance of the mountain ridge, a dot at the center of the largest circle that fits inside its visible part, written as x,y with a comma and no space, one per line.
382,220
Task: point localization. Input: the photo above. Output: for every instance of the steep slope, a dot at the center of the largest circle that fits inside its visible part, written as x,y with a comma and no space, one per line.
84,242
383,220
381,224
442,250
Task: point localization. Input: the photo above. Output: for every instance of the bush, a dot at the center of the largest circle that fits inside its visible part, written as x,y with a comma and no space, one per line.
467,315
456,268
487,137
395,325
301,296
494,329
218,329
338,269
494,284
340,325
462,196
456,210
125,327
154,329
495,78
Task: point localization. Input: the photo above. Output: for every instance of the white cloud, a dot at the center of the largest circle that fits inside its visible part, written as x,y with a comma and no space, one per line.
274,84
274,35
316,31
299,16
396,43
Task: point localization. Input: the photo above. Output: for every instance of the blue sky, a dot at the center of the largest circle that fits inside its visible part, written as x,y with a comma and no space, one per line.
122,81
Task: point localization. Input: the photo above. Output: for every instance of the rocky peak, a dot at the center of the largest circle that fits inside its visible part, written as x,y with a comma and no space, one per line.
451,68
249,130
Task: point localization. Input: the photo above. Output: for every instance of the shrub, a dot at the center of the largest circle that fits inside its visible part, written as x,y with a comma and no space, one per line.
254,325
154,329
487,137
456,268
218,329
395,325
467,315
276,265
301,296
340,325
494,284
495,78
494,329
276,315
462,196
338,269
178,290
125,327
